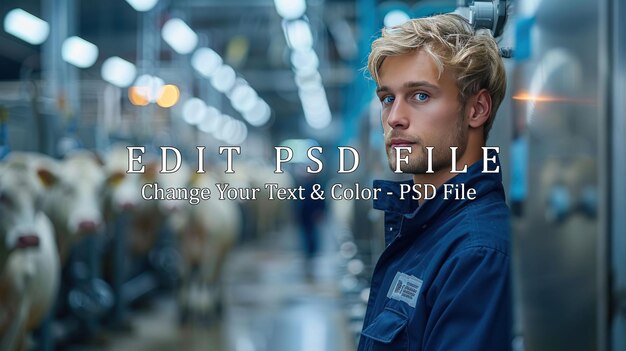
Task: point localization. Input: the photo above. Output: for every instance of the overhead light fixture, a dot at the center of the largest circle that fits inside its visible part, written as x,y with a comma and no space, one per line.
299,36
395,18
27,27
137,97
259,115
168,96
290,9
149,87
233,132
243,98
194,110
211,120
79,52
305,61
179,36
118,71
224,78
206,61
315,105
142,5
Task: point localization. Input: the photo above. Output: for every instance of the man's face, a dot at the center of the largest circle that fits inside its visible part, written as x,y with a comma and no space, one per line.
420,110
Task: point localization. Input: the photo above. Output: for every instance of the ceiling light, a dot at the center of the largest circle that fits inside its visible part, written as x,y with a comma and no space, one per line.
149,87
118,72
142,5
79,52
169,96
299,35
137,97
243,98
179,36
211,120
224,78
206,61
259,115
290,9
305,60
395,18
194,110
27,27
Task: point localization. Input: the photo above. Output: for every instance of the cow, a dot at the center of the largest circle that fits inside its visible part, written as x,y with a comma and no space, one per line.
206,232
29,262
72,201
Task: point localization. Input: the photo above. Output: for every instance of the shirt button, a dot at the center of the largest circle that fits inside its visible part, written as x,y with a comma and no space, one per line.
390,229
424,226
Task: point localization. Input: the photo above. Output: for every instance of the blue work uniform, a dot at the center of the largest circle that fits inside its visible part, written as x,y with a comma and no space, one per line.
442,282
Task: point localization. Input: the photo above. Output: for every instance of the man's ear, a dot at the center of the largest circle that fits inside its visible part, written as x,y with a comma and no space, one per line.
480,109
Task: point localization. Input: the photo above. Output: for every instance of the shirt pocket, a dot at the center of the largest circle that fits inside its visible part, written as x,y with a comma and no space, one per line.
387,332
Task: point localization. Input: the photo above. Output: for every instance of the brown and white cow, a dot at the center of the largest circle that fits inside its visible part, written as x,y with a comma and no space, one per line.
29,267
72,201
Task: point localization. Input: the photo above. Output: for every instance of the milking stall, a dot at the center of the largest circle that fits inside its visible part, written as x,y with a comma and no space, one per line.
199,175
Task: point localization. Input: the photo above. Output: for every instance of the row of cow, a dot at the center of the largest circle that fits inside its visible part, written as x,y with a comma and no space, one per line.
47,206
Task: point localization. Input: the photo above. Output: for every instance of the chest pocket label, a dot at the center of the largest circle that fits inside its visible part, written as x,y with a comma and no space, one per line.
405,288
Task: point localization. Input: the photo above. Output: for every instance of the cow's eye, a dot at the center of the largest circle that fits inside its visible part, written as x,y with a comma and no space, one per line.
5,199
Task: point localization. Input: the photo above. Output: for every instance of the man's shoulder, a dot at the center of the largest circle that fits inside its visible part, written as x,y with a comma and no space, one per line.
478,227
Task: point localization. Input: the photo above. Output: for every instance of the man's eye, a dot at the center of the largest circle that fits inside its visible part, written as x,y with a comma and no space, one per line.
387,100
421,97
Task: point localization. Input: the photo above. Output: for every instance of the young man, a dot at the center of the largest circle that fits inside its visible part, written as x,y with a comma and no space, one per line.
442,283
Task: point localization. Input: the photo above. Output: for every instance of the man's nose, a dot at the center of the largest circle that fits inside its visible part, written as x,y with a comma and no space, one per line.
399,115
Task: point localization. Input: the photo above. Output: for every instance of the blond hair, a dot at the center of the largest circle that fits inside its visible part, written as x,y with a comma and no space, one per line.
451,42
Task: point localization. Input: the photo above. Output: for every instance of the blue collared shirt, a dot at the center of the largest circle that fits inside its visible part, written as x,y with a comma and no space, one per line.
442,282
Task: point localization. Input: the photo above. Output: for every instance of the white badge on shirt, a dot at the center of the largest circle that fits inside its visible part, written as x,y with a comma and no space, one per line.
405,288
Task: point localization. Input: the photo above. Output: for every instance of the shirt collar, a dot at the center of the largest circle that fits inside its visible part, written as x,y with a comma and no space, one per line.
483,183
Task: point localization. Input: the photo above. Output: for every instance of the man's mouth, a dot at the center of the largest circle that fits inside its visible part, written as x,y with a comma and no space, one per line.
400,143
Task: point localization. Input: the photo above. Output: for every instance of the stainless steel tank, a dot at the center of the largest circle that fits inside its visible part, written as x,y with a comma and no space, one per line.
561,118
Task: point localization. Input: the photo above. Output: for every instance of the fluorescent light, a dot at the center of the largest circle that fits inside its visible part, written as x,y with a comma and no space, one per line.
305,61
79,52
137,97
243,98
299,35
234,132
318,119
168,96
239,134
149,87
224,129
118,71
211,120
395,18
290,9
309,81
194,110
142,5
27,27
206,61
179,36
315,105
259,115
224,78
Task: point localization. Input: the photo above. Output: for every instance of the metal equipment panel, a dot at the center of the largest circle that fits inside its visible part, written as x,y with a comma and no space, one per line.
560,112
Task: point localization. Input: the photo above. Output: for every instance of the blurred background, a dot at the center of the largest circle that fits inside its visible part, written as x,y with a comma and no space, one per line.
87,264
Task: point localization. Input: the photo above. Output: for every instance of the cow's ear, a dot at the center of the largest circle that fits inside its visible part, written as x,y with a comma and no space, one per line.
115,178
151,172
47,177
195,178
98,158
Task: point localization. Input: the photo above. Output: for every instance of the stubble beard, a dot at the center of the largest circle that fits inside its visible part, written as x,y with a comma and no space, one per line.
442,155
